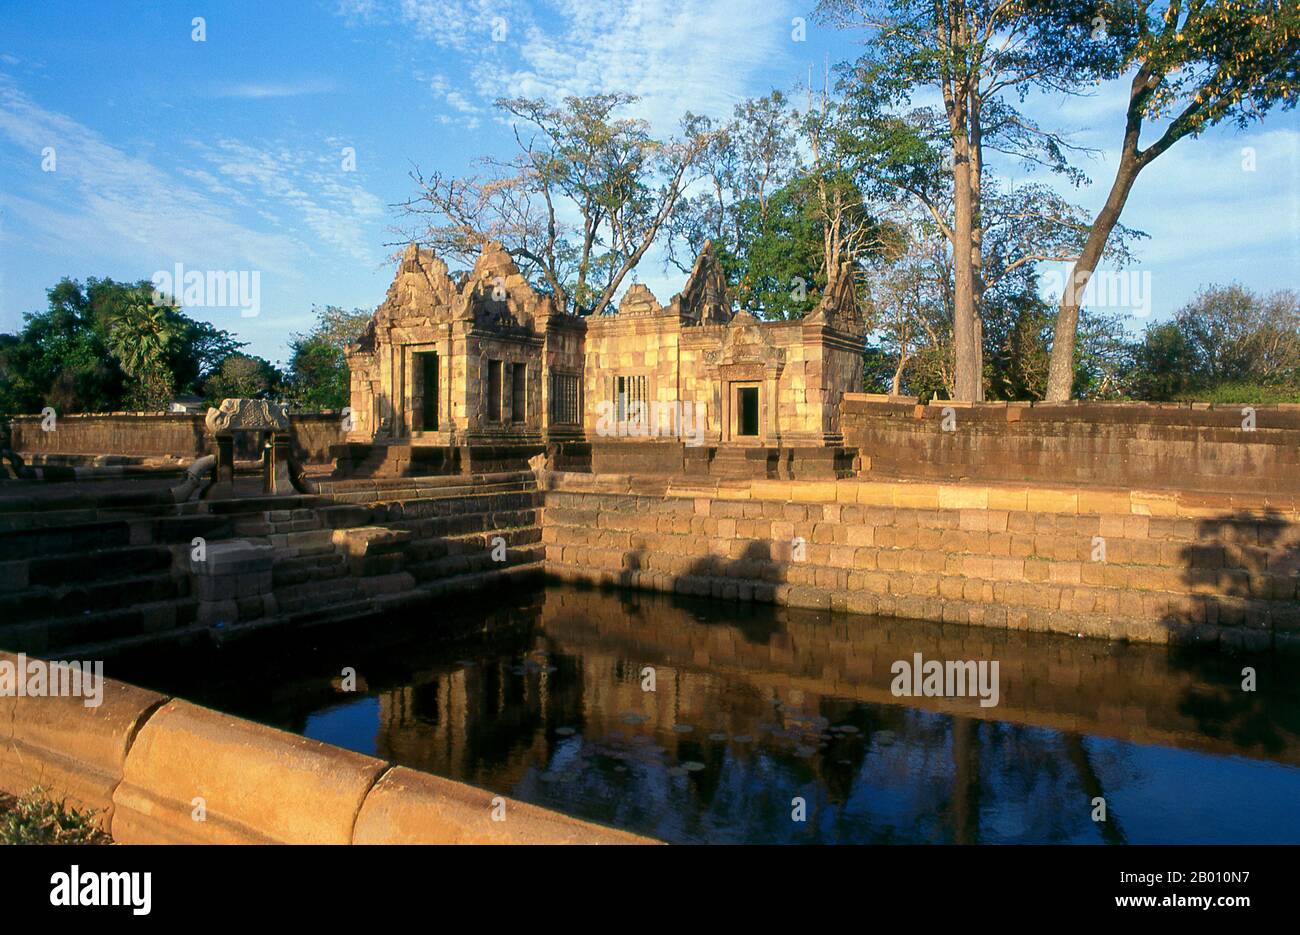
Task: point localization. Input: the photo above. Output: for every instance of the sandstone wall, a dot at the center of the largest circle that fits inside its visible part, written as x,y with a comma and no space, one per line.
156,435
314,433
1195,447
1176,566
140,434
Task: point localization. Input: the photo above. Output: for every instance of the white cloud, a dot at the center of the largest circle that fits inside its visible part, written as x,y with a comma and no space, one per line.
102,201
675,55
276,89
313,185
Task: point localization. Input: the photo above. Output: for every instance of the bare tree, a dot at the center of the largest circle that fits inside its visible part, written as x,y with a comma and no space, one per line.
578,205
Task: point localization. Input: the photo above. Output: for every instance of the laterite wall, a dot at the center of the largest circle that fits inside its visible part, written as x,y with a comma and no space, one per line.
1205,568
177,436
1175,445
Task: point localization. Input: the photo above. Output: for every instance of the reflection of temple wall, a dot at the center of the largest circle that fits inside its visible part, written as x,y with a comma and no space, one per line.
1140,694
489,722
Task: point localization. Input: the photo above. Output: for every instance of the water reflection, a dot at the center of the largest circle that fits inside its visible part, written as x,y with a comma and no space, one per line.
757,709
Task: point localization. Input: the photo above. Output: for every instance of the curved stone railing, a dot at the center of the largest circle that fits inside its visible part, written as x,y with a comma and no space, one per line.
163,770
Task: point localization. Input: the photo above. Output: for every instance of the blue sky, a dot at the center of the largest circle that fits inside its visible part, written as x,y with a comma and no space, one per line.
229,154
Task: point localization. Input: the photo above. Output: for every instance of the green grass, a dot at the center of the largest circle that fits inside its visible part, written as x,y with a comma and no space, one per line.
36,819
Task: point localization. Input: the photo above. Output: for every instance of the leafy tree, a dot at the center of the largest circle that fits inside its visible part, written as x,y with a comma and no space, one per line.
60,357
1164,363
246,377
1225,336
777,272
781,203
1194,64
576,160
975,54
745,161
1235,334
318,370
66,355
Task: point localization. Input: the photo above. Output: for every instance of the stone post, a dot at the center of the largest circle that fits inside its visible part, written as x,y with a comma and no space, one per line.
233,582
275,465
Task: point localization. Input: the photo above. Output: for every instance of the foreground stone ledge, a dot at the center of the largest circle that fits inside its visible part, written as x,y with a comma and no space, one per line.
146,764
258,784
410,807
62,745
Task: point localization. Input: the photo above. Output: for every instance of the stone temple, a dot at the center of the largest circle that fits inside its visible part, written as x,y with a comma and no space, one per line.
480,372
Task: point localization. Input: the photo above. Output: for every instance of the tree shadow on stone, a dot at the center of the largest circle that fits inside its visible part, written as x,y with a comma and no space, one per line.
1244,617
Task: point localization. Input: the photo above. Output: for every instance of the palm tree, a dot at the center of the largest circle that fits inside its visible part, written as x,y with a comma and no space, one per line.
141,337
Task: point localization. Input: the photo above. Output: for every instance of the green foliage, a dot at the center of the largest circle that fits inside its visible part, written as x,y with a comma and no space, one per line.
243,376
776,269
1164,363
1245,393
106,346
1230,60
141,336
35,819
318,369
780,199
1226,340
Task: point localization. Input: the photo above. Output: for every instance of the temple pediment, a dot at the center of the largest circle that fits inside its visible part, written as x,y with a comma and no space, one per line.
839,307
745,345
704,300
494,294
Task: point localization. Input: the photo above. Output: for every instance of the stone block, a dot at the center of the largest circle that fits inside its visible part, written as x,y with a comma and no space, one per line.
409,807
73,751
258,784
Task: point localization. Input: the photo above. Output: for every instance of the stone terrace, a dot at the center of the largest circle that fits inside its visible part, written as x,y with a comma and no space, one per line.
89,572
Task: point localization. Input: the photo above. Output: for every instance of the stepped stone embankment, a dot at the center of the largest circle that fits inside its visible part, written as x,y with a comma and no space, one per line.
93,572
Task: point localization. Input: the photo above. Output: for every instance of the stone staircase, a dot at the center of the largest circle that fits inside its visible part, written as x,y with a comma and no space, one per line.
90,576
355,461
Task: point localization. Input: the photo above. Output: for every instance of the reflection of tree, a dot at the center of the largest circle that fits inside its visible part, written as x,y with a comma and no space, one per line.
966,781
800,683
1240,557
1090,782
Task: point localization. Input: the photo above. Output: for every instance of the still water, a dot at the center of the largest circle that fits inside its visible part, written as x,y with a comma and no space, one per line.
541,696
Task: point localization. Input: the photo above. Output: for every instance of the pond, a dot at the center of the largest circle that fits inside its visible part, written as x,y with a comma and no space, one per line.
773,725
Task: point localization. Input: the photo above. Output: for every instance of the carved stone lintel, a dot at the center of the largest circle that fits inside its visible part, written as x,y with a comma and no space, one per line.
246,415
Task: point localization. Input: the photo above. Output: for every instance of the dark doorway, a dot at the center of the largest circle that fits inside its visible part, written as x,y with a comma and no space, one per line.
518,392
494,391
427,364
747,410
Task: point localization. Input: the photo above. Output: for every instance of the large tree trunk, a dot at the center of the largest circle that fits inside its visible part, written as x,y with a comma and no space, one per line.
896,383
977,242
1060,375
964,331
